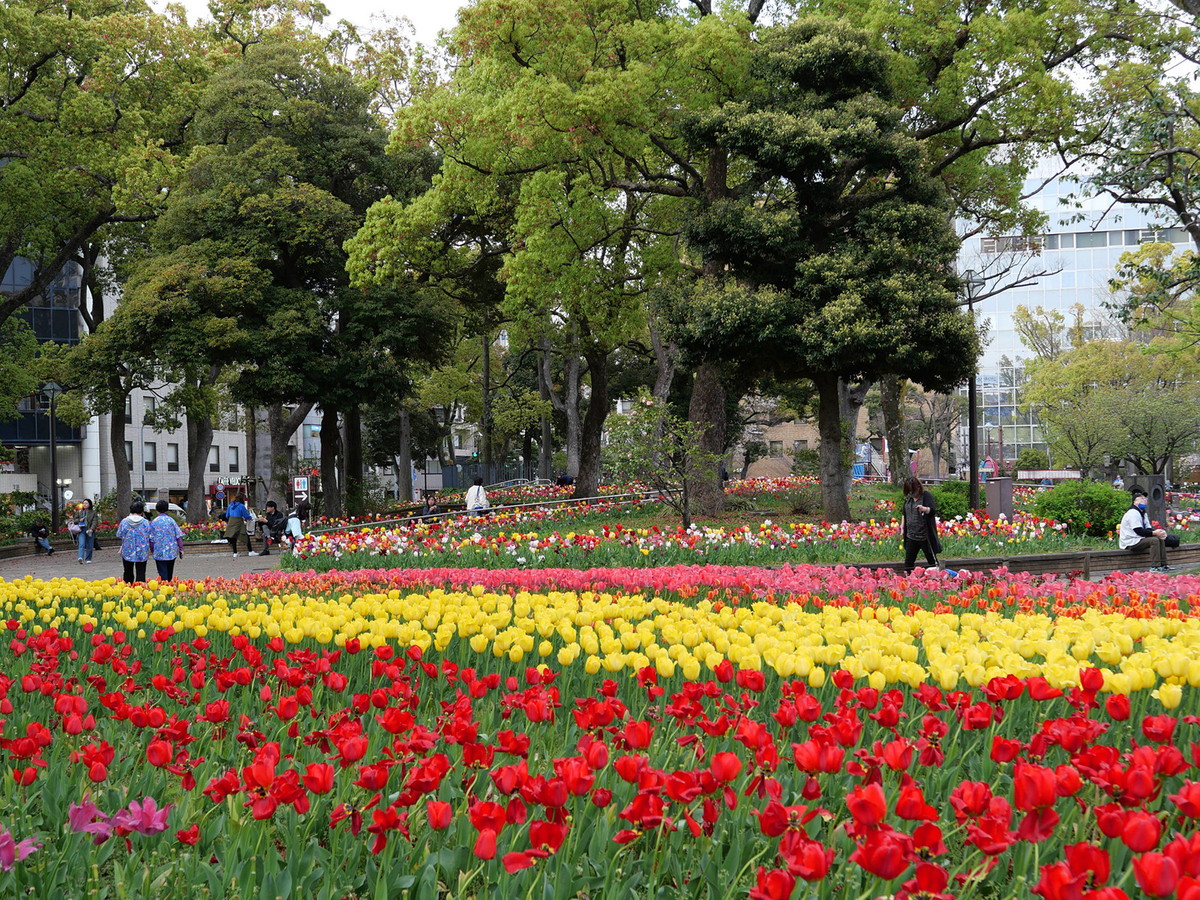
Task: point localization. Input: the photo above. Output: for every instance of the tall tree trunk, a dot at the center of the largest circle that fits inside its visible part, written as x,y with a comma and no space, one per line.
281,425
706,493
116,440
486,425
526,453
707,407
665,357
199,442
891,392
834,499
588,481
256,463
545,467
331,490
851,397
356,493
404,481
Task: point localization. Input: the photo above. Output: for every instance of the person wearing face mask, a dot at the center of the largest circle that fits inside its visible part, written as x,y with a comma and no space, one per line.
1138,533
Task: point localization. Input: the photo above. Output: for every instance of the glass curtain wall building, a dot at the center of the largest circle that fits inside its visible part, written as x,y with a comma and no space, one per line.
1074,260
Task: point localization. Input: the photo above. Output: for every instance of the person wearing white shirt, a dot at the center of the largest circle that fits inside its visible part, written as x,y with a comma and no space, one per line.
1138,533
477,499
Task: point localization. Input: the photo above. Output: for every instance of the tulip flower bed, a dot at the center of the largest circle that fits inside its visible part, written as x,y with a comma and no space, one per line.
684,733
516,540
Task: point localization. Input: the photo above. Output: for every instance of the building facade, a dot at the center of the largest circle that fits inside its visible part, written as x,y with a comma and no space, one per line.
1069,265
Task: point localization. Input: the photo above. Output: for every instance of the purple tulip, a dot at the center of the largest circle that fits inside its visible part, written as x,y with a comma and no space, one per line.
12,851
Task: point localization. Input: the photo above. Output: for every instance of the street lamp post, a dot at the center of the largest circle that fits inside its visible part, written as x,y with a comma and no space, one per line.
971,281
52,390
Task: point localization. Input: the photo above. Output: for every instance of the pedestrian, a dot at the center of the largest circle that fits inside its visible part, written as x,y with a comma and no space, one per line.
271,527
237,524
41,536
1119,483
1138,533
919,524
166,541
88,521
296,519
134,535
477,498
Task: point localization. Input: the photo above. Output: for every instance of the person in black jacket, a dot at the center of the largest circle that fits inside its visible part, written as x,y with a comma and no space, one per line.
271,526
41,536
919,524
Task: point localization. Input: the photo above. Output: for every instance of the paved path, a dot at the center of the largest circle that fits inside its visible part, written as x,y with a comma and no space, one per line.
106,563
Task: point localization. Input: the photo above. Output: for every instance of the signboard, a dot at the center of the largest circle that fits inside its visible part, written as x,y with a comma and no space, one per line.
1038,474
68,494
299,488
220,495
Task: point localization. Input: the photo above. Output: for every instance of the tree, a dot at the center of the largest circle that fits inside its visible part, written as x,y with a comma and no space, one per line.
18,349
288,158
94,99
1114,399
934,421
659,448
846,237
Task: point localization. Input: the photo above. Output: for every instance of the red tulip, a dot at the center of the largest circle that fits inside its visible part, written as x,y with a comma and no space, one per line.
318,778
1058,882
1156,873
1034,787
439,814
1159,729
867,805
777,884
1142,831
159,753
1188,799
809,860
884,852
1117,707
485,844
725,766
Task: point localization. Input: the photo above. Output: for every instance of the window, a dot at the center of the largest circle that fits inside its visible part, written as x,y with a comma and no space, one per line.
129,454
172,457
129,413
214,459
775,448
1086,239
234,459
797,446
151,408
150,456
1017,243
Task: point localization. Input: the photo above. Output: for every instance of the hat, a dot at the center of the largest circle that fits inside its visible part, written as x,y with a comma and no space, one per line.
1138,492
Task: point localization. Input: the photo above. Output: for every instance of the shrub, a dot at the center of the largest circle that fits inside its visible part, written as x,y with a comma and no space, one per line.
804,500
806,462
1031,459
953,498
1084,507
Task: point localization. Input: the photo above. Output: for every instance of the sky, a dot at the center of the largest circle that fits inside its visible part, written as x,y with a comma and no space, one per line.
428,16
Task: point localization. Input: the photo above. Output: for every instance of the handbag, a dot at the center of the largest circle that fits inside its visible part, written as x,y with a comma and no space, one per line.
74,528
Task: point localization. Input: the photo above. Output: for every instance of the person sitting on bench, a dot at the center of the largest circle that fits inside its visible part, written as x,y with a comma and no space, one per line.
1137,533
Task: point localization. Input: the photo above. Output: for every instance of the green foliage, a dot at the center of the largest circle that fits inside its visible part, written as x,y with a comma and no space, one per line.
18,348
1030,458
804,500
1085,507
655,446
806,462
952,498
1117,399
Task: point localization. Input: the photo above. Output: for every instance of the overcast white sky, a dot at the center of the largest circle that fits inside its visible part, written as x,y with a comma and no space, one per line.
428,16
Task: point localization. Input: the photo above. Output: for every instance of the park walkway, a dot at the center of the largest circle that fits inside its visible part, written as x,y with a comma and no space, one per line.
107,564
